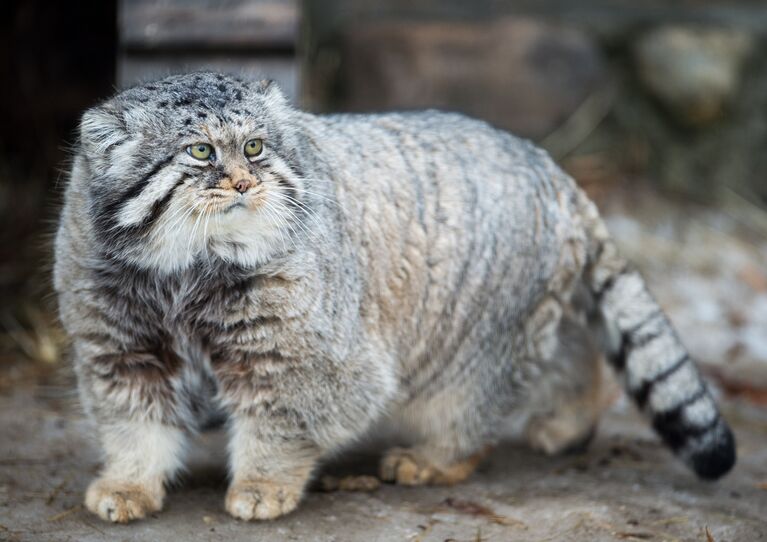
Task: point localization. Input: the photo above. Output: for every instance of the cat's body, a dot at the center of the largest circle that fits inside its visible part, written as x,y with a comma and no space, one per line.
422,270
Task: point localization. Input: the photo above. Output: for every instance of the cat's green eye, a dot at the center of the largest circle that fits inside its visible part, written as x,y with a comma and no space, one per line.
201,151
254,148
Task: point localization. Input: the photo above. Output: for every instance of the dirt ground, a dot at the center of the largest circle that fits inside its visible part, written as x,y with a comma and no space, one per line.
625,487
707,268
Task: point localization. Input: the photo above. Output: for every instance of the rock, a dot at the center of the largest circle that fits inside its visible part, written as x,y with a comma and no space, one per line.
522,74
693,71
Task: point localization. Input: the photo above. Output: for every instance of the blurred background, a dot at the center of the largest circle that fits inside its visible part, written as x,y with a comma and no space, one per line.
658,108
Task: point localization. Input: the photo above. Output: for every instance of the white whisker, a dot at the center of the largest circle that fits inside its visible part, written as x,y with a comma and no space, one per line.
273,217
194,228
300,223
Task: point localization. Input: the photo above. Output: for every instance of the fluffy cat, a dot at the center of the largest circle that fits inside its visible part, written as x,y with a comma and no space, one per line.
310,278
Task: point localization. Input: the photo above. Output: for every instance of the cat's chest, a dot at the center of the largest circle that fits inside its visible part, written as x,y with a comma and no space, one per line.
264,312
209,312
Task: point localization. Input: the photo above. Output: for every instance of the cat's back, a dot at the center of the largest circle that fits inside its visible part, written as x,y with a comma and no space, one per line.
433,149
446,210
422,135
434,171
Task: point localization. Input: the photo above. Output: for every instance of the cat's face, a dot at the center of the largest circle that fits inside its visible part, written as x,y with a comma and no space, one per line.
193,166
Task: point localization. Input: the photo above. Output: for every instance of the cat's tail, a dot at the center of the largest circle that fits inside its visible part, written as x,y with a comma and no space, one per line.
657,370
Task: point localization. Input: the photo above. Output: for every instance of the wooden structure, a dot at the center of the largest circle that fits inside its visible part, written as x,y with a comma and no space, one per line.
255,37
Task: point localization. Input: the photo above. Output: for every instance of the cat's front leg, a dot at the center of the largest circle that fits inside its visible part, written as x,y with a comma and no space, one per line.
271,453
271,463
139,459
286,412
131,397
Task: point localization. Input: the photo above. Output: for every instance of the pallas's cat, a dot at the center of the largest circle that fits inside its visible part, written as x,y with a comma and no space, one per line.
311,279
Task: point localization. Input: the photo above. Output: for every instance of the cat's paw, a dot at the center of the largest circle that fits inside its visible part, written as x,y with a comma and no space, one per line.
554,436
262,499
121,502
411,467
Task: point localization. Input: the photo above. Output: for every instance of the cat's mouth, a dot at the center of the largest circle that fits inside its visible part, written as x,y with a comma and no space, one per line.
238,204
225,202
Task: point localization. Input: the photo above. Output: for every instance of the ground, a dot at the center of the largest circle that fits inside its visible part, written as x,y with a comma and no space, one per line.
707,269
625,487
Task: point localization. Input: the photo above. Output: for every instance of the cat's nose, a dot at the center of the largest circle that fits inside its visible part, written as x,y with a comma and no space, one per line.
238,178
242,186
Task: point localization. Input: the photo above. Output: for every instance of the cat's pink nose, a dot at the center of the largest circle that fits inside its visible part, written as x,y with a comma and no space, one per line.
242,185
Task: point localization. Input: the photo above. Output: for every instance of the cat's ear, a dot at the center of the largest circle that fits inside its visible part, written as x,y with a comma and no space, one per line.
101,128
267,85
272,92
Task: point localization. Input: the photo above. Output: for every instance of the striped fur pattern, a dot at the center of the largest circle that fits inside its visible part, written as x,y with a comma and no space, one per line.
658,371
421,272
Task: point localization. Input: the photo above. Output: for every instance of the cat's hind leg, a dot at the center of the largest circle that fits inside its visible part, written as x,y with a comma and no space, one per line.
571,394
426,464
446,446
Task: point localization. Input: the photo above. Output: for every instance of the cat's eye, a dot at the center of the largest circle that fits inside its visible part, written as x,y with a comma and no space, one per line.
201,151
254,148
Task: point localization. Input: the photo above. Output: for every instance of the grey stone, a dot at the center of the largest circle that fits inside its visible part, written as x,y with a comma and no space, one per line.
694,71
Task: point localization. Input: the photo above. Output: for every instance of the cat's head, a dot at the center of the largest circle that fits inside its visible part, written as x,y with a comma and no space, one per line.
193,166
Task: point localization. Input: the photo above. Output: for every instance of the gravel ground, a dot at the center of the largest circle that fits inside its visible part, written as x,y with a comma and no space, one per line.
705,268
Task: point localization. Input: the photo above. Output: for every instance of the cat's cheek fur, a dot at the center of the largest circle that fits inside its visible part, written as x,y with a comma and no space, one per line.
140,208
244,237
249,237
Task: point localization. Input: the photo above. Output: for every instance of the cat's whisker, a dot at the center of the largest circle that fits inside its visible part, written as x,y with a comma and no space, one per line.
300,204
274,219
193,235
179,215
182,218
285,223
171,217
296,219
173,231
283,194
323,197
303,210
208,213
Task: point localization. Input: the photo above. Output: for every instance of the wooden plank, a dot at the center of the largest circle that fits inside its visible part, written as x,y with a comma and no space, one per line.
608,18
206,24
133,69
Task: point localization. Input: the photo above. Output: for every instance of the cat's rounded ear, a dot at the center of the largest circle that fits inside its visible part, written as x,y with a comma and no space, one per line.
101,128
272,92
